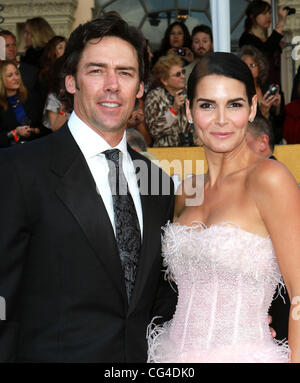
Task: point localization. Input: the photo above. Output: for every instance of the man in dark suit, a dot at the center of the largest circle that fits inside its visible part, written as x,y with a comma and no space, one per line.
70,294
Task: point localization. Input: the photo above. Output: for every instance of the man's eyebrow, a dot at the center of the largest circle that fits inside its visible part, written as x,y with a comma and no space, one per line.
119,67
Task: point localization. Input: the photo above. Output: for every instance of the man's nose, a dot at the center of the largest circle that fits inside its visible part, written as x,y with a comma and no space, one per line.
111,81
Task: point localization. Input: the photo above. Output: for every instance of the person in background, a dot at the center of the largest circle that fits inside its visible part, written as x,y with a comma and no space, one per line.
296,86
20,119
260,139
138,143
270,104
291,125
37,32
54,49
137,121
202,43
136,140
29,73
176,40
165,104
54,114
257,22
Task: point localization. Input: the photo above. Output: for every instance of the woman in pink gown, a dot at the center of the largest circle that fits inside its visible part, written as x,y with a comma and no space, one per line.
234,234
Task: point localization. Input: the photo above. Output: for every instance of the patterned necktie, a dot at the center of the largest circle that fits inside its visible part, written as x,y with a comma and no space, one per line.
128,234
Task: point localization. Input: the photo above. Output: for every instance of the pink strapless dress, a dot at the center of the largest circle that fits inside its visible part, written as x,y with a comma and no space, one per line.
226,279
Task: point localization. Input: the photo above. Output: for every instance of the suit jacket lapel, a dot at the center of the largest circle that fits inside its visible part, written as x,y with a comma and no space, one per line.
78,191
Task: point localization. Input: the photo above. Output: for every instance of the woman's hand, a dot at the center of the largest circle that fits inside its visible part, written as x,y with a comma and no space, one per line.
189,55
268,101
179,100
282,14
277,102
137,117
24,131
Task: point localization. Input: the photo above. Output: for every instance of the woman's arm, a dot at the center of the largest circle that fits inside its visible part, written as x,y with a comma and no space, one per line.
56,119
277,197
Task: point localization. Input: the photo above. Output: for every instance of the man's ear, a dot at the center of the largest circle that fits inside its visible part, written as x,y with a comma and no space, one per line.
70,84
263,142
140,90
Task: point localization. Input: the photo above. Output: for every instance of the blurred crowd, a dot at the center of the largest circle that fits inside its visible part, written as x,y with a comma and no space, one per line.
31,103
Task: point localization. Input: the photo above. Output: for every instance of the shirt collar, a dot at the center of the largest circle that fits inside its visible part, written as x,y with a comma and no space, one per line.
89,142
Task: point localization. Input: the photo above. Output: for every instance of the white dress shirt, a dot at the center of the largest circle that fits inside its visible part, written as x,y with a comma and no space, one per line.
92,146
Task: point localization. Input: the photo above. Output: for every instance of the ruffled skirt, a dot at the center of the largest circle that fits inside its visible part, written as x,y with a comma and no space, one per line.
162,349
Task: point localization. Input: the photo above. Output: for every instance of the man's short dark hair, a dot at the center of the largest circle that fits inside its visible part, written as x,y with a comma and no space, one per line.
202,29
261,126
108,25
5,32
136,139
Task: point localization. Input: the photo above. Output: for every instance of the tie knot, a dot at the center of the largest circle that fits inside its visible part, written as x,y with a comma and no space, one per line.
113,155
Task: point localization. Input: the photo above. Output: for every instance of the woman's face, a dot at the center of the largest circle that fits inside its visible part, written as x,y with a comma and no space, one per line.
27,37
221,112
60,49
176,37
252,65
263,20
11,79
175,81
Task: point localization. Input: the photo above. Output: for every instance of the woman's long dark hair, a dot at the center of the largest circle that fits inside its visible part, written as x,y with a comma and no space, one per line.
48,59
165,43
254,9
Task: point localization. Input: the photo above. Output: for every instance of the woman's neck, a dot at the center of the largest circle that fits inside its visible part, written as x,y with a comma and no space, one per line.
221,165
10,93
258,32
172,91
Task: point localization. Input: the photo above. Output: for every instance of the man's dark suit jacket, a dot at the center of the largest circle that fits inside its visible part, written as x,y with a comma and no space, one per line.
60,271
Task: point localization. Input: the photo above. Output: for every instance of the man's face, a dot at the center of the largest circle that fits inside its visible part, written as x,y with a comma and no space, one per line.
10,47
201,44
106,85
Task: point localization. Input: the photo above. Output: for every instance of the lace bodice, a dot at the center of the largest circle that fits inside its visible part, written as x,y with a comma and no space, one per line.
226,278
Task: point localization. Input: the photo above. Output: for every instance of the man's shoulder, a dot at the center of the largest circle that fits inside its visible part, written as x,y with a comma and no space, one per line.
36,151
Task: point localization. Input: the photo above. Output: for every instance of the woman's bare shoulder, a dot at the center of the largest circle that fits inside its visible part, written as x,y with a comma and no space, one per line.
270,175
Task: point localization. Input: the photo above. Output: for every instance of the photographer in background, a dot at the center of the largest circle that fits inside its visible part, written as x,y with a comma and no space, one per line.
176,41
270,97
257,23
165,105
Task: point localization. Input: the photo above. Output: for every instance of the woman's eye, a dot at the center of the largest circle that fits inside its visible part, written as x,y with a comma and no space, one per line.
235,105
206,105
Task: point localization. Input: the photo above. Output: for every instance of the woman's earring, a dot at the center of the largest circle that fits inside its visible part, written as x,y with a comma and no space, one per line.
251,119
191,121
